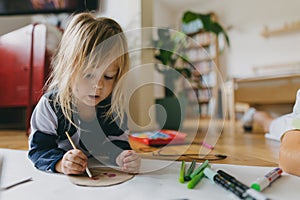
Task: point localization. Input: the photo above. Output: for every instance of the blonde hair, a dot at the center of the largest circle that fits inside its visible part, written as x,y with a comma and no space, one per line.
86,42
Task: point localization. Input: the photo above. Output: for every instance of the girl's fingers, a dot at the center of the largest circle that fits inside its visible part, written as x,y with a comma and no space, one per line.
131,158
132,163
122,156
72,168
74,162
79,153
77,158
129,161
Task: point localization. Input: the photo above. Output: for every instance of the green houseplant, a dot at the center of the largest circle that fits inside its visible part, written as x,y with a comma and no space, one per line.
169,48
197,24
207,23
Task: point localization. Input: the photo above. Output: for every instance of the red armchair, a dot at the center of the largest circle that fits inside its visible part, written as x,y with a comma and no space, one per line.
24,67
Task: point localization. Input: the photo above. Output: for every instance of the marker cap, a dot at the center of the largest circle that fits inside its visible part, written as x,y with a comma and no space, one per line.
256,186
260,184
210,174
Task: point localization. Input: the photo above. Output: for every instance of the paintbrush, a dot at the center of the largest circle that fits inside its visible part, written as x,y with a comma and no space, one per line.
74,147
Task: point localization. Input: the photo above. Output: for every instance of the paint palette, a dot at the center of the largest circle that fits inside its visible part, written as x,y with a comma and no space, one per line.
102,176
158,138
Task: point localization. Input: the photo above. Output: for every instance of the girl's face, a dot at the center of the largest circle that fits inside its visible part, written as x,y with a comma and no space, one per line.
95,85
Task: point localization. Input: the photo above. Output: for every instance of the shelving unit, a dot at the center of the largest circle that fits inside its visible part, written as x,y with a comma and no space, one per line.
286,28
203,56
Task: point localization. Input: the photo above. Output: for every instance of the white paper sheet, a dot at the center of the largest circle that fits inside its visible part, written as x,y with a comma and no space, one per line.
159,184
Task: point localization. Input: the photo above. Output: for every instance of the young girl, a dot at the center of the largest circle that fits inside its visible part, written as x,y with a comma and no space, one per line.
85,100
285,129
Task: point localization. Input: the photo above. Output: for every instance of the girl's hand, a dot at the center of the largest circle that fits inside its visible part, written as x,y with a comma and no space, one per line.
73,162
129,161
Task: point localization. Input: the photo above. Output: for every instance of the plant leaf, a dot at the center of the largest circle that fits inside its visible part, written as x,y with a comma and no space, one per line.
208,24
189,17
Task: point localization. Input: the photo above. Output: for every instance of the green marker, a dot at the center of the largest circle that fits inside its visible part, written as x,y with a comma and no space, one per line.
182,172
192,183
190,170
199,169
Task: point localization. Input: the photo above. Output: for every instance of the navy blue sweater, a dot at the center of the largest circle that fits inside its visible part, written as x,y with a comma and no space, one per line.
48,142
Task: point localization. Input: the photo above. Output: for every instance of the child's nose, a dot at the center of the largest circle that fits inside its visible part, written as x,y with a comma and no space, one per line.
99,84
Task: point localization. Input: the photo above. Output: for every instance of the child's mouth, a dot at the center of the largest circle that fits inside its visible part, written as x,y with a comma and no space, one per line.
94,96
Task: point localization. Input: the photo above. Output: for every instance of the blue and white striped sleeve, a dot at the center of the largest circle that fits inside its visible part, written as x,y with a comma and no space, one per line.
43,147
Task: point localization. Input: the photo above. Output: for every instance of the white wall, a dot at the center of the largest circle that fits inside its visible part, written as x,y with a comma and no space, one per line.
127,13
248,18
163,15
248,47
132,16
11,23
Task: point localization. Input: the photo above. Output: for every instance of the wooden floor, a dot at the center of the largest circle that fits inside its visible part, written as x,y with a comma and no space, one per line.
239,147
13,139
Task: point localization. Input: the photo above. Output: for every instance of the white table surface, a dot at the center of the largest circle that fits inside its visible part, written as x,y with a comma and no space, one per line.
159,184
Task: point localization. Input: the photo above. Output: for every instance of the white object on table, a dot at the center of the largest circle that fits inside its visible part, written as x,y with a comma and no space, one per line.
159,184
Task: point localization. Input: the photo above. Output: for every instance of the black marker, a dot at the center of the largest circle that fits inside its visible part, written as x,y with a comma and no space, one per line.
218,179
233,180
249,193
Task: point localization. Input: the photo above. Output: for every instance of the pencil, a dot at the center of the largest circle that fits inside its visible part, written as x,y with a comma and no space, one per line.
74,147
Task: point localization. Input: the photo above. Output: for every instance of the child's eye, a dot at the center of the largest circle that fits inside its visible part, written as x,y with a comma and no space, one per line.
88,76
109,77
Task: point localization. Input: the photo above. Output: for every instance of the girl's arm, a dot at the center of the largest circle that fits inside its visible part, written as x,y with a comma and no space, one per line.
43,151
43,139
117,135
125,157
289,155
